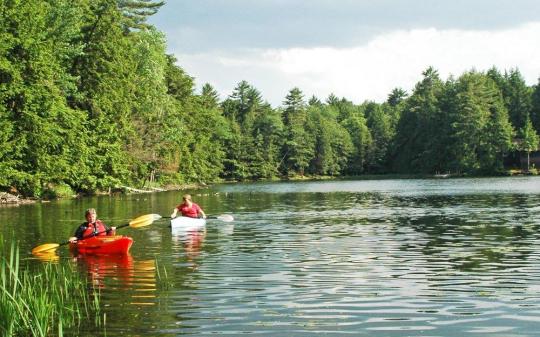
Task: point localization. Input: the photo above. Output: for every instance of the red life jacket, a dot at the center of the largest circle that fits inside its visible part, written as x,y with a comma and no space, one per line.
192,212
95,229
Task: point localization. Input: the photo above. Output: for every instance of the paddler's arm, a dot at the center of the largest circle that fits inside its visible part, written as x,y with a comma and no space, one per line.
111,231
173,215
78,233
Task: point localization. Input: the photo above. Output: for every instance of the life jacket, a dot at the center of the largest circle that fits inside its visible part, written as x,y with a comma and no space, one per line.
95,229
192,212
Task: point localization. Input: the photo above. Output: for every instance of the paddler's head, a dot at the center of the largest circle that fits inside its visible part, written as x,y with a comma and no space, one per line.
91,215
187,199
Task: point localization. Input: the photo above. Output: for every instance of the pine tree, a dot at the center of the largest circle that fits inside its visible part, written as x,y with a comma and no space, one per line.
535,107
136,13
298,149
517,96
419,133
396,96
529,140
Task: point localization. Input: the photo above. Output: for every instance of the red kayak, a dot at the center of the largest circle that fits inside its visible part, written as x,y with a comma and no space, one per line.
110,244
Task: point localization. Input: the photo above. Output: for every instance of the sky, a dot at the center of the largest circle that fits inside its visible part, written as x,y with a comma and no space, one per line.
356,49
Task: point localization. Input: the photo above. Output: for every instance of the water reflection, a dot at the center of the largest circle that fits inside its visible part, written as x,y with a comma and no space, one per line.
391,258
119,267
191,240
50,257
121,272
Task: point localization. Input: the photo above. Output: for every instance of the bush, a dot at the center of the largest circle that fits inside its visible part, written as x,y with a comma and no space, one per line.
57,191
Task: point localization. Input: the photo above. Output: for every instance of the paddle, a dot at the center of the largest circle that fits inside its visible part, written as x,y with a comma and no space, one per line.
142,221
222,217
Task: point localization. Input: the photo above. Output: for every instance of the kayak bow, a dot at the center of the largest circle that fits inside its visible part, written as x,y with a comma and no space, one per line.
183,223
113,244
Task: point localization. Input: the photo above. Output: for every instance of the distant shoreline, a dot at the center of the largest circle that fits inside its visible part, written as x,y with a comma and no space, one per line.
12,199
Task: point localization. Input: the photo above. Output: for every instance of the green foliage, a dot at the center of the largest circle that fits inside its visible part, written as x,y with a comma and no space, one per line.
136,12
333,144
528,140
252,146
37,137
535,108
397,96
58,191
379,122
209,97
469,122
420,134
90,100
529,137
268,140
362,143
516,95
298,148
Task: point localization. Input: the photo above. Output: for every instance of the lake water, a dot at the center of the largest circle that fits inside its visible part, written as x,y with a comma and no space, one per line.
445,257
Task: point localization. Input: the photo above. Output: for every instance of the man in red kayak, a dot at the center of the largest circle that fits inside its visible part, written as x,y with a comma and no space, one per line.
188,208
92,227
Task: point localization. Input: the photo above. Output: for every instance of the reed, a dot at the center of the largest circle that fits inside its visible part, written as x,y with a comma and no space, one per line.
163,279
41,302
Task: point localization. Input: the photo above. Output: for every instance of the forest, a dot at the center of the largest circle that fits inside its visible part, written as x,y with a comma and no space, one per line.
90,100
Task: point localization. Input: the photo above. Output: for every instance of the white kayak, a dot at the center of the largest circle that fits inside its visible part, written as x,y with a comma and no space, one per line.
183,223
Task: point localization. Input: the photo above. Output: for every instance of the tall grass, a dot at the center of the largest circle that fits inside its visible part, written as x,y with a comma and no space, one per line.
163,279
41,302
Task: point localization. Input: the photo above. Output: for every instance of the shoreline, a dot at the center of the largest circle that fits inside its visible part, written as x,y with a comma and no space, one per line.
12,199
8,199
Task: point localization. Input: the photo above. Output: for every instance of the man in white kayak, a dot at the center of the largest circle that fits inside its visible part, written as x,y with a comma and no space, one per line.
188,208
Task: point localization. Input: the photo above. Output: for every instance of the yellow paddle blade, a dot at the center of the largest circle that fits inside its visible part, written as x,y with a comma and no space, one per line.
48,256
144,220
47,247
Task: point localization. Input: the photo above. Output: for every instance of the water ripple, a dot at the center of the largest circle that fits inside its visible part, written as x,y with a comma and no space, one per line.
370,258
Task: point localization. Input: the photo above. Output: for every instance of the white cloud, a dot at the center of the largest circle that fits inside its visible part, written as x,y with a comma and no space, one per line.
371,71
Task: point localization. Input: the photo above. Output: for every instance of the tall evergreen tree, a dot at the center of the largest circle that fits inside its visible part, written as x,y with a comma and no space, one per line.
314,101
529,140
298,148
136,12
419,134
332,143
535,106
517,96
194,132
106,93
396,96
209,96
380,125
150,105
243,108
359,159
468,120
499,133
243,103
481,132
268,138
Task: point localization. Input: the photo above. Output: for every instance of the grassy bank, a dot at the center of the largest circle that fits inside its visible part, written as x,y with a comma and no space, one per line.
41,302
